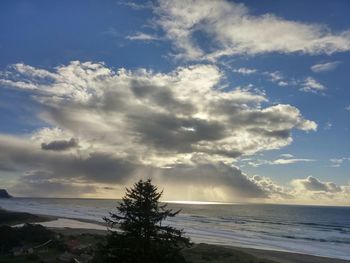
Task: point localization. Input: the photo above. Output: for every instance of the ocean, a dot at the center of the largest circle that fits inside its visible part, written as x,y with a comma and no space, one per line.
315,230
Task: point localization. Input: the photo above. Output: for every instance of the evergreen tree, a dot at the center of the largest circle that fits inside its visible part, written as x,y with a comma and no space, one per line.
141,237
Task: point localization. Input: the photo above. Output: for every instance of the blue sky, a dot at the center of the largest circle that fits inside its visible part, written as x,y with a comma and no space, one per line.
291,53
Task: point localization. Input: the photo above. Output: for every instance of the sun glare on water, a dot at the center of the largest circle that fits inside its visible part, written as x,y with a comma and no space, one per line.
197,202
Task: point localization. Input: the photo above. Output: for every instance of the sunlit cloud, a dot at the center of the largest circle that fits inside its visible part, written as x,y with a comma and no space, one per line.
322,67
287,159
234,30
312,85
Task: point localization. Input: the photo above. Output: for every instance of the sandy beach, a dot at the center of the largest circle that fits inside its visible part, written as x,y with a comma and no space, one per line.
273,256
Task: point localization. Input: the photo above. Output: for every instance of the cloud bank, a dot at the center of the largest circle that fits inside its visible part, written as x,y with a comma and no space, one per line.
321,192
109,127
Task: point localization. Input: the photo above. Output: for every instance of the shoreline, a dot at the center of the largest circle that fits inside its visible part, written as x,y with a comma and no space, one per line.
265,254
289,257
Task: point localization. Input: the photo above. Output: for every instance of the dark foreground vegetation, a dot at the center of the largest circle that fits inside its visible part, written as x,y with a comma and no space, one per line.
37,244
13,218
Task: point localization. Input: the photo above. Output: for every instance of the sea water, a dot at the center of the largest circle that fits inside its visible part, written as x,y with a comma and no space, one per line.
314,230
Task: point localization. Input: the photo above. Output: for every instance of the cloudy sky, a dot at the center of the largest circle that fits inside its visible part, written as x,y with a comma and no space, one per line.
234,101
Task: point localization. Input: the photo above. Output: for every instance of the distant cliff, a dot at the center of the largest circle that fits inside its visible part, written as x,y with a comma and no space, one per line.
4,194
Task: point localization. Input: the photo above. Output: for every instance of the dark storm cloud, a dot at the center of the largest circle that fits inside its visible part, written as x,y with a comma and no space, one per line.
227,153
175,133
283,134
6,167
41,184
56,170
95,167
215,174
274,118
60,145
160,96
104,168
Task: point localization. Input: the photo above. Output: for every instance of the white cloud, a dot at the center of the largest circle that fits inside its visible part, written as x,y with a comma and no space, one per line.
308,190
276,191
282,83
314,185
245,71
347,108
135,5
337,162
287,159
231,29
111,32
328,126
312,85
287,155
275,76
291,160
143,37
307,84
122,124
322,67
312,189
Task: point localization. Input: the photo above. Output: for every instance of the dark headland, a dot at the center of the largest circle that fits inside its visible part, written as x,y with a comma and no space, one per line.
4,194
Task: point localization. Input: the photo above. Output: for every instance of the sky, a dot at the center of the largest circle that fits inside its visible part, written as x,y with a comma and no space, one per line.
229,101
